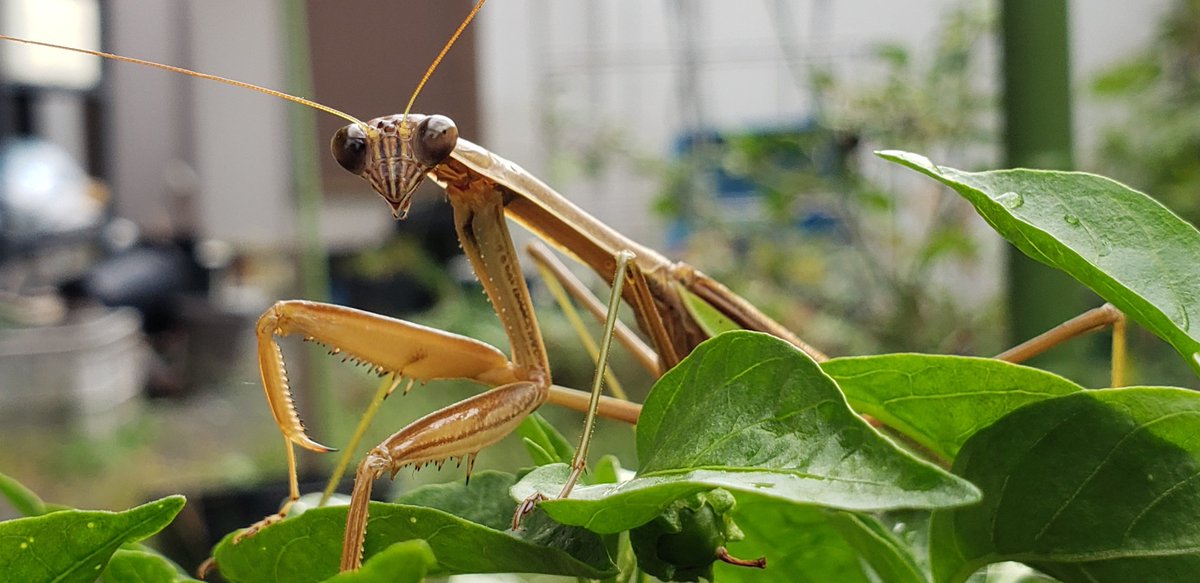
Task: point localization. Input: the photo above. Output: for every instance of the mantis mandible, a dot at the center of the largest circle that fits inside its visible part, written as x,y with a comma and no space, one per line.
395,154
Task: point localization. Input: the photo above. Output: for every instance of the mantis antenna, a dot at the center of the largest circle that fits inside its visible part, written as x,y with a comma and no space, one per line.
192,73
445,49
260,89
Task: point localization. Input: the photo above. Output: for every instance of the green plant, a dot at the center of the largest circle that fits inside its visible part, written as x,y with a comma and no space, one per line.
1154,143
55,543
990,462
828,245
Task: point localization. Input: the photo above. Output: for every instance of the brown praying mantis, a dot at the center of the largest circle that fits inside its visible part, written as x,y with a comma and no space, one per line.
395,154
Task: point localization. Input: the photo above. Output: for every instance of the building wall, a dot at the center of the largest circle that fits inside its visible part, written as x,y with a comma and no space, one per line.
560,78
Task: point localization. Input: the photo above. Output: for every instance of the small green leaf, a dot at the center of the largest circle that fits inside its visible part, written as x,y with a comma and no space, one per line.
1092,486
140,566
537,453
308,548
711,321
940,401
37,549
544,441
749,413
23,499
403,562
1124,245
607,471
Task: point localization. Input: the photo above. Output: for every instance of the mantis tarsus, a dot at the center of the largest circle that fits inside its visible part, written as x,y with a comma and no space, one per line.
395,153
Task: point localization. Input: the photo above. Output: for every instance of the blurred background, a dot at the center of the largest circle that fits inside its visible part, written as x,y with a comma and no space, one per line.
148,218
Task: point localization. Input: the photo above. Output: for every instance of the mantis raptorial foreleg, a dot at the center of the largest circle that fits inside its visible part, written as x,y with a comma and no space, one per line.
462,429
388,345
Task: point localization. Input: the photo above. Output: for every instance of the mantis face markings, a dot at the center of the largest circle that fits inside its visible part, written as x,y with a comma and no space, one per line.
394,153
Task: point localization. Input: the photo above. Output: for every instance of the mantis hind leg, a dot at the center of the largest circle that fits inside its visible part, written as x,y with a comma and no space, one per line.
1085,323
579,462
624,262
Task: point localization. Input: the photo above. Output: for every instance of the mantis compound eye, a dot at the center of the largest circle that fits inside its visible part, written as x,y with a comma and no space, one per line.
349,147
436,137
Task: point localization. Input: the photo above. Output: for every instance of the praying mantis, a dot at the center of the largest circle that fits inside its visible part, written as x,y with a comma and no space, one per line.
395,154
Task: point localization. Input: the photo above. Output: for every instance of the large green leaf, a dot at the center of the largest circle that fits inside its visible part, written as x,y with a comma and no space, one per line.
483,500
800,544
308,547
75,545
892,558
1126,246
749,413
811,544
939,401
1093,486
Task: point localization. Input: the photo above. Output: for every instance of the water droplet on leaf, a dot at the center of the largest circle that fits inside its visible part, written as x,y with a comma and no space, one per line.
1071,220
1011,200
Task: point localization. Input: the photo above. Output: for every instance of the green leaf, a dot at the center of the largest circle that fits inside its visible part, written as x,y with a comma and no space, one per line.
1124,245
749,413
810,544
309,547
544,443
940,401
36,549
485,500
140,566
711,321
1132,76
891,558
607,470
23,499
1093,486
403,562
799,542
537,453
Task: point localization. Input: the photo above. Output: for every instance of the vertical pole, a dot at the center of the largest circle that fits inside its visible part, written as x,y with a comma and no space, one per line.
1037,113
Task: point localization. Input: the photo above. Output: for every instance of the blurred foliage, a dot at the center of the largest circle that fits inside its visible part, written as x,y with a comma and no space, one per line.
791,219
1155,147
1153,143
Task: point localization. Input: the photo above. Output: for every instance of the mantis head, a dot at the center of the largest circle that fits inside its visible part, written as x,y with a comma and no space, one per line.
394,153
